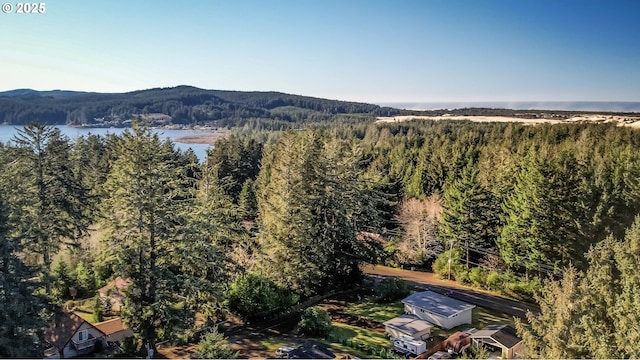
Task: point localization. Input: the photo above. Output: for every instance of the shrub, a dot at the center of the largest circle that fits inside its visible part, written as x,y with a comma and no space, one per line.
315,322
461,274
214,346
391,289
478,276
253,293
527,289
130,347
493,280
441,265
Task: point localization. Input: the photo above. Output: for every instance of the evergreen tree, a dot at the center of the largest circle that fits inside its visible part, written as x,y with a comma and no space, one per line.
311,204
170,268
247,201
237,158
52,200
61,280
554,334
214,346
289,228
215,208
520,242
469,216
85,278
590,315
90,165
21,324
598,289
626,310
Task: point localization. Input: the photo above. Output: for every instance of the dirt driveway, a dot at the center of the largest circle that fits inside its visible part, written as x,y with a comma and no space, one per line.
430,281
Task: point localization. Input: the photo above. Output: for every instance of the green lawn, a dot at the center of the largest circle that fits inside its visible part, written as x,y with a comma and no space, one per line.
356,341
375,311
483,317
85,311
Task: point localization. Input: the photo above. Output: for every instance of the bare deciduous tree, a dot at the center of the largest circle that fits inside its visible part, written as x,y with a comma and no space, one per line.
419,219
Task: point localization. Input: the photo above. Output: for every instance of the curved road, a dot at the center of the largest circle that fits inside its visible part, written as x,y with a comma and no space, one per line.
430,281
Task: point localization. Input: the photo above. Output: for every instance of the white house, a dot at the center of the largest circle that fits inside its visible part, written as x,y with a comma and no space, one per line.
437,309
409,326
504,337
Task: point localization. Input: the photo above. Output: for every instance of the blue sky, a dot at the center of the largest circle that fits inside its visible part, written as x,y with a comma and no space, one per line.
372,51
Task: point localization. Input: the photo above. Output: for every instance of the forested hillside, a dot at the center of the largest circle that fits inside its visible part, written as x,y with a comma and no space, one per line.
295,213
180,105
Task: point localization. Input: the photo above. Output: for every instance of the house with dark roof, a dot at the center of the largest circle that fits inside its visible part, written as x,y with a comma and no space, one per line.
408,326
504,337
437,309
70,335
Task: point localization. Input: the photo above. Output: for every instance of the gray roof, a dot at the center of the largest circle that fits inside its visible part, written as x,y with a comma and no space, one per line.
436,303
505,335
409,324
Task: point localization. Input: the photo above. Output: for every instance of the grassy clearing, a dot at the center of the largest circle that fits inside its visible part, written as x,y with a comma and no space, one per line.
272,344
357,341
88,316
84,309
374,311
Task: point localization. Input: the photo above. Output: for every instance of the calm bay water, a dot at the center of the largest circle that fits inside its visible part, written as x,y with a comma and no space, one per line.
7,133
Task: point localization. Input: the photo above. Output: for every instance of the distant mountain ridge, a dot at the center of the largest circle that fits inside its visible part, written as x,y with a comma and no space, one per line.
50,93
182,105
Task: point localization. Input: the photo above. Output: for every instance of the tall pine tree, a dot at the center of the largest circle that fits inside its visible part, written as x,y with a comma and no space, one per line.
21,323
170,268
311,203
469,217
52,199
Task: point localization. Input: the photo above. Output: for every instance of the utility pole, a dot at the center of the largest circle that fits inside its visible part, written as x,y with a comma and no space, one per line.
450,251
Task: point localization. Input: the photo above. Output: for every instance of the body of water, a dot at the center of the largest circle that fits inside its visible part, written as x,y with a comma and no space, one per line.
613,106
7,132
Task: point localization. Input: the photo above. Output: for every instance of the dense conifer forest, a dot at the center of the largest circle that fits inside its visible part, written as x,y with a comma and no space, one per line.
544,211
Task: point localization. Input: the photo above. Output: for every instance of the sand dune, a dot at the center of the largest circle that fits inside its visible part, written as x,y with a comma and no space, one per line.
633,121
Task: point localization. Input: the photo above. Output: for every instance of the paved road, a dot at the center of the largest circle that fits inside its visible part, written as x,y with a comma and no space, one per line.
430,281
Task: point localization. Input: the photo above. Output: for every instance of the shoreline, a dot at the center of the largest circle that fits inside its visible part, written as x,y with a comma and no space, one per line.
207,138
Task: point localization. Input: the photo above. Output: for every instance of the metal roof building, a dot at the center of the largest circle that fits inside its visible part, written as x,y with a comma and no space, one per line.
437,309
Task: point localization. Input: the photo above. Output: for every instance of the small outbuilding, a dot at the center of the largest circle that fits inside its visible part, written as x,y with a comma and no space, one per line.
438,309
409,326
504,337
